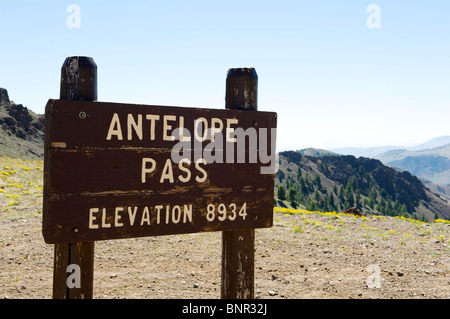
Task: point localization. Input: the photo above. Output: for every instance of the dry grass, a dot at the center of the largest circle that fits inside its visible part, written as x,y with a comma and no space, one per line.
21,187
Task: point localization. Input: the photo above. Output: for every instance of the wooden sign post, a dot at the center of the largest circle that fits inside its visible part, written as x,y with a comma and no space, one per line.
78,82
238,247
116,170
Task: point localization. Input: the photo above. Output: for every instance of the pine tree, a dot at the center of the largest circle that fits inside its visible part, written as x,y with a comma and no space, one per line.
299,173
331,202
317,181
357,198
281,193
316,196
280,175
351,200
303,187
292,194
371,203
341,193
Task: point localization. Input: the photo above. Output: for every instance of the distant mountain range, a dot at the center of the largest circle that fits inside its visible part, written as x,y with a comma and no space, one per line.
373,152
429,161
430,164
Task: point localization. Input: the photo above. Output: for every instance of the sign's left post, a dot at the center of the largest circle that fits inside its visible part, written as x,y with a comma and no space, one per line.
73,275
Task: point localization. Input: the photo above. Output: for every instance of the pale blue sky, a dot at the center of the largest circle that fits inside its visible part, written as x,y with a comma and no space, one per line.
320,67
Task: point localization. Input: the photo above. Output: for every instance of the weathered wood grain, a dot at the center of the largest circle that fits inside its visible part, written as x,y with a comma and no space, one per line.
87,170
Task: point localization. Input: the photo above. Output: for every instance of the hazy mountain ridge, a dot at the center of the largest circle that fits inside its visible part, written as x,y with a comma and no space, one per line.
374,152
370,152
430,164
429,161
399,154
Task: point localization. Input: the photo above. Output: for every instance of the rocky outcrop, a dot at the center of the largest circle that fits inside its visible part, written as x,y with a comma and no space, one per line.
4,98
18,122
353,211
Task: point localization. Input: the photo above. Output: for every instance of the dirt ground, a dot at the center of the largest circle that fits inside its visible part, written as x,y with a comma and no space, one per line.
304,255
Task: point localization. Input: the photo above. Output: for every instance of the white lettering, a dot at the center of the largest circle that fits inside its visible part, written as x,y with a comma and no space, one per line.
176,214
182,132
117,217
167,172
203,127
167,214
158,213
197,166
132,215
167,137
125,217
145,216
184,169
145,170
214,128
92,218
104,224
230,130
115,128
152,119
193,309
131,123
187,213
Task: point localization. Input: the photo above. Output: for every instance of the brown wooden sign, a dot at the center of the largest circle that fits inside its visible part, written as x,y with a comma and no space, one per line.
122,170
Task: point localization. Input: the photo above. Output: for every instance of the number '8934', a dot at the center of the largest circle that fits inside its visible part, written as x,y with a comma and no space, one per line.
223,212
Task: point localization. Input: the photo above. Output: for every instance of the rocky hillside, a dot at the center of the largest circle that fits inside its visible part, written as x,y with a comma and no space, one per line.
336,183
21,130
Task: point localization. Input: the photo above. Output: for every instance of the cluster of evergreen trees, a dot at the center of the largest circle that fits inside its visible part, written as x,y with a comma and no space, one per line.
306,189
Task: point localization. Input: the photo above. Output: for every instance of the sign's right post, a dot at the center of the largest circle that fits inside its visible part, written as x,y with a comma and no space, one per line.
238,246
